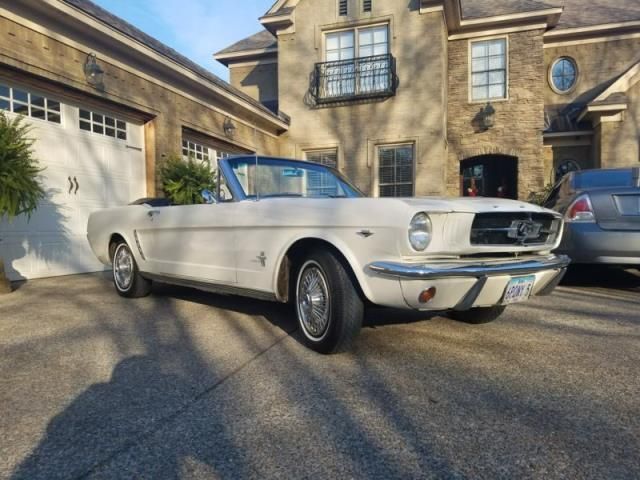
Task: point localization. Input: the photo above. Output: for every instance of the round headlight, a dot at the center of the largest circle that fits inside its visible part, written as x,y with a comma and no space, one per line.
420,232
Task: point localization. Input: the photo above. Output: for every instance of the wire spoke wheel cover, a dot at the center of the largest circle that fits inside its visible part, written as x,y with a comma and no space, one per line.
313,301
123,268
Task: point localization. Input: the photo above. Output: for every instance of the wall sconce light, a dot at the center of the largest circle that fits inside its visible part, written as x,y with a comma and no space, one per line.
93,72
487,116
229,128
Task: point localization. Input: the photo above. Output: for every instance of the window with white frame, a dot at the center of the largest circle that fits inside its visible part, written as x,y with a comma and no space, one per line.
194,150
358,61
200,151
322,184
395,170
489,69
103,124
29,104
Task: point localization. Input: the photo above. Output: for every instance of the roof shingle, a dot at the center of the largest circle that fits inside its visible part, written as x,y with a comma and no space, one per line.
598,12
258,41
133,32
491,8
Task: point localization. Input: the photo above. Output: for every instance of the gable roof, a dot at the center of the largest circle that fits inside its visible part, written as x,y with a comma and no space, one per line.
117,23
259,41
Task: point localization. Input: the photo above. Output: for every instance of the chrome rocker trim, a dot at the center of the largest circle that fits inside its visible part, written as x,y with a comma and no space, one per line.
410,271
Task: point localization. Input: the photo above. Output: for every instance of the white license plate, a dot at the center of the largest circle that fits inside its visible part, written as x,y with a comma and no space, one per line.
519,289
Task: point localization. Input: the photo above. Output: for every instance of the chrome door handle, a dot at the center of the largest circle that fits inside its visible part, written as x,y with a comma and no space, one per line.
77,185
70,185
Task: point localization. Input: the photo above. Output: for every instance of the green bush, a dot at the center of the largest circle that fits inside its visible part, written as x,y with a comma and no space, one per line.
184,180
20,188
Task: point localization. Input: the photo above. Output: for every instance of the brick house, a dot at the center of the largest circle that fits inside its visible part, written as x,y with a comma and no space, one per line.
107,103
431,97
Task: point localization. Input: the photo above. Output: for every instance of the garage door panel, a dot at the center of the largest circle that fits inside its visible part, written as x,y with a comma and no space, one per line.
47,218
108,174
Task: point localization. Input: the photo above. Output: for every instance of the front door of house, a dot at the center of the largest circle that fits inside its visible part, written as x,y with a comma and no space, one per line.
489,176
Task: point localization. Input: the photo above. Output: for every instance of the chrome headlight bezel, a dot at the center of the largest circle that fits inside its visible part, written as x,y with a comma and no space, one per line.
420,232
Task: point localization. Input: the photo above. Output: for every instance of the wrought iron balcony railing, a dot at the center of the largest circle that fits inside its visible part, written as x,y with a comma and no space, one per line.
359,78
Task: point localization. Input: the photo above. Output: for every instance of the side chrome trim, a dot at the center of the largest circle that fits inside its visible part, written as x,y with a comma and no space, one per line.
211,287
135,236
410,271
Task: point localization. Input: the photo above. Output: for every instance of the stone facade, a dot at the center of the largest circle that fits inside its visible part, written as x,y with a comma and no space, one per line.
258,80
534,126
608,144
50,56
519,120
414,115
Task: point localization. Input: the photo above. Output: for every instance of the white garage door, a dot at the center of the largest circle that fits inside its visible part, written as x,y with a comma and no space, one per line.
92,159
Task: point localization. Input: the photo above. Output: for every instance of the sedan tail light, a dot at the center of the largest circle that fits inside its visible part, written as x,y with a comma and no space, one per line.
581,211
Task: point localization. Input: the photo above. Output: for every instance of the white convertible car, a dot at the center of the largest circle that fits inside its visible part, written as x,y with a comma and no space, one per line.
294,231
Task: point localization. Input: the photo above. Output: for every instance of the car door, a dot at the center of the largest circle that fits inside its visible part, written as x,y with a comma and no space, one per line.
191,241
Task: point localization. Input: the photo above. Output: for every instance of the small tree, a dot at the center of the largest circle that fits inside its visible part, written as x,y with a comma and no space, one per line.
184,180
20,189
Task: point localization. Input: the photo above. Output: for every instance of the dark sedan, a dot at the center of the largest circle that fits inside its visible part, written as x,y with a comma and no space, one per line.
602,215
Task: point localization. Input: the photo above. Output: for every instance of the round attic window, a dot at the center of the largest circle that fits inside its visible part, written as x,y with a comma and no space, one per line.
563,75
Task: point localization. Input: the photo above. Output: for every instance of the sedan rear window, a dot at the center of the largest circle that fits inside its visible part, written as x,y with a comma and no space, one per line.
604,178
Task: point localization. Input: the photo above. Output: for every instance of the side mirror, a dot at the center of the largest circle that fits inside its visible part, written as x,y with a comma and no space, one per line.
208,197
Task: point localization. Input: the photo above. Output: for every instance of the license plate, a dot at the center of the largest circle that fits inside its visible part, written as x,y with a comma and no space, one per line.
518,290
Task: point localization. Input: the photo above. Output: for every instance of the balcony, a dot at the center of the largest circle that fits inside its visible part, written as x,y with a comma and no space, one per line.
356,79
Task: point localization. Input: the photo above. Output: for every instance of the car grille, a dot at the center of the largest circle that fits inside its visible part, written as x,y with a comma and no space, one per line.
514,228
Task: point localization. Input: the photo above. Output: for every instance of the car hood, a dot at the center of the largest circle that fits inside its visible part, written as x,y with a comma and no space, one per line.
470,205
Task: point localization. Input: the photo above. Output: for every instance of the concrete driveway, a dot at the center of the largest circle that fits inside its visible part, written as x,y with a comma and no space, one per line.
189,385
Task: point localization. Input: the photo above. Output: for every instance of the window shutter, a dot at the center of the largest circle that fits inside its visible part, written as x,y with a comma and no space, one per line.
343,9
366,5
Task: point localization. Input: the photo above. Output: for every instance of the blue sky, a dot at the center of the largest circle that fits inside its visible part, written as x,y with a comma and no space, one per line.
195,28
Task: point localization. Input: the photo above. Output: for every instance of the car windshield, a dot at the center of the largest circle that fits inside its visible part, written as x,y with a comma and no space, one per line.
261,177
604,179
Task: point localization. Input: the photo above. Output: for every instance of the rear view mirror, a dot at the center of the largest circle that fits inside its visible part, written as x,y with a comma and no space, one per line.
208,197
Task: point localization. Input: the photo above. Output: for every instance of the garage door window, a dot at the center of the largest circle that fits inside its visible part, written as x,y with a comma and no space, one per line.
103,124
29,104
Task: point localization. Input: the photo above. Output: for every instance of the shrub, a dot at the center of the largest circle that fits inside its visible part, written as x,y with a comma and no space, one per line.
539,197
184,180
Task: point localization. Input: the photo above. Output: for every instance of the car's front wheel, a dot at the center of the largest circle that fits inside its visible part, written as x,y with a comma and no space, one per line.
328,305
126,276
480,315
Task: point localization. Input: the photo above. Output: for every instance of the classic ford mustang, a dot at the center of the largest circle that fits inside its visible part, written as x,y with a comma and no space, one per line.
295,231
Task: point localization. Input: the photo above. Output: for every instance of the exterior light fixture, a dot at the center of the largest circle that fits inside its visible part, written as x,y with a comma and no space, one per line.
93,72
487,116
229,128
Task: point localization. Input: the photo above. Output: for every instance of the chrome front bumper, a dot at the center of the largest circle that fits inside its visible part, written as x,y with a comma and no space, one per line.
491,268
480,272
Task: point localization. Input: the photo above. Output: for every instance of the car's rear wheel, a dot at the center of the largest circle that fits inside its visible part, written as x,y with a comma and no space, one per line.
478,316
126,275
328,305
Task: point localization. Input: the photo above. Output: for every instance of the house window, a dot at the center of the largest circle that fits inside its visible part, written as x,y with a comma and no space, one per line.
395,170
489,70
366,5
327,157
564,74
343,7
322,184
29,104
103,124
357,62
